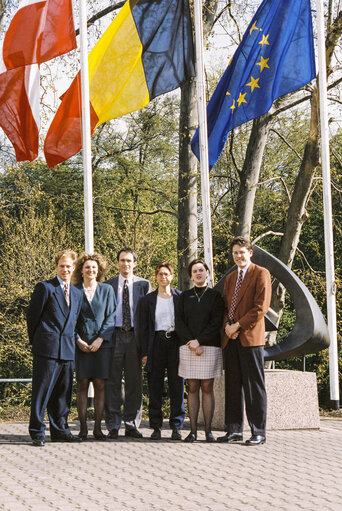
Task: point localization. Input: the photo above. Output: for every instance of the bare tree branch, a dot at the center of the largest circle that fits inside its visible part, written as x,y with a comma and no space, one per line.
286,142
264,234
101,14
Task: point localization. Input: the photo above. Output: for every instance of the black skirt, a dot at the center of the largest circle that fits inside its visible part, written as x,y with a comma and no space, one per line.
93,365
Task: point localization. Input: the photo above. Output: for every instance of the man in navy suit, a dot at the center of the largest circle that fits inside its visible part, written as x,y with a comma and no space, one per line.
54,307
126,355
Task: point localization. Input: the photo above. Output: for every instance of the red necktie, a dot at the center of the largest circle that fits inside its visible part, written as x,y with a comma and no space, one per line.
235,295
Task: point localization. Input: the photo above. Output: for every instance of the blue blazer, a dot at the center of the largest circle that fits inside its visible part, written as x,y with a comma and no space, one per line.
97,319
146,316
50,322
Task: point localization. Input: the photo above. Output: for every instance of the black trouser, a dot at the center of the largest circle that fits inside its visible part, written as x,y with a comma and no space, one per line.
165,356
245,381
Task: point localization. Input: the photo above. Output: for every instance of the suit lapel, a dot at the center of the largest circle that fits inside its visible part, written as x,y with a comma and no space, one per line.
153,304
95,304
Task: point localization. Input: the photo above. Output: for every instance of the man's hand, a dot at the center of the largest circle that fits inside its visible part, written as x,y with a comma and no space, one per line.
232,331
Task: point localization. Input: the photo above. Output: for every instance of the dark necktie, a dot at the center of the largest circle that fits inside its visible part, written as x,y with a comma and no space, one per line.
235,295
126,309
66,293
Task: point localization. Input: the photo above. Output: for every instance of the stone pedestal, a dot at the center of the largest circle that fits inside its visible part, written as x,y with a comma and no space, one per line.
292,401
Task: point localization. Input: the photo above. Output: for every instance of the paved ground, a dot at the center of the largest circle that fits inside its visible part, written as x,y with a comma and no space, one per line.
294,470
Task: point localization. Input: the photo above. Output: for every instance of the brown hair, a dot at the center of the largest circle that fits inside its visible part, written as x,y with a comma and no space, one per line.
130,251
77,277
243,242
65,253
164,264
197,261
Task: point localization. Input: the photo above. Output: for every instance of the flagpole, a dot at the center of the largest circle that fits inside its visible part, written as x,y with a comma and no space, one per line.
86,135
327,203
203,140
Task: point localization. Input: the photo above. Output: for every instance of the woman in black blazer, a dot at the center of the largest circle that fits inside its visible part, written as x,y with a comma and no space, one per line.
159,343
94,332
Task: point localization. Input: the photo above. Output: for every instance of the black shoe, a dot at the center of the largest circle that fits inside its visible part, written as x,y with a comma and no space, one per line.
176,434
83,436
229,438
133,432
113,434
209,437
38,442
256,440
99,436
156,435
191,437
67,438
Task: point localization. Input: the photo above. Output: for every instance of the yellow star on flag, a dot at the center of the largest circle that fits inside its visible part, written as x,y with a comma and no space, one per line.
264,40
253,83
263,63
241,98
233,106
253,27
227,93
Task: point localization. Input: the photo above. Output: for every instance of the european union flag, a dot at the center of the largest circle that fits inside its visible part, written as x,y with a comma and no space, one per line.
276,56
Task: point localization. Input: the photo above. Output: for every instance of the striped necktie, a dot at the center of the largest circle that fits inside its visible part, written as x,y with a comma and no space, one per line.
235,295
66,293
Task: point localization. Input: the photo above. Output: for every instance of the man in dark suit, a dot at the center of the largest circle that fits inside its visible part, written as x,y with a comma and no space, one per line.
126,355
51,317
247,295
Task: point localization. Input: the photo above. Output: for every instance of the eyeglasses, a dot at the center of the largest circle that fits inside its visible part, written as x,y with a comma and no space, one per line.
164,275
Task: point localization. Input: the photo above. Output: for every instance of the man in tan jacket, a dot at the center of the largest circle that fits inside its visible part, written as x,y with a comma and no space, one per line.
247,294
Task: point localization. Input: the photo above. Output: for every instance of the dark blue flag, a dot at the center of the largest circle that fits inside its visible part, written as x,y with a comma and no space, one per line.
276,56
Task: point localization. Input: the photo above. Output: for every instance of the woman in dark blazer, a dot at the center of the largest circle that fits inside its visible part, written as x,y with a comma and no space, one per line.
94,332
198,324
159,344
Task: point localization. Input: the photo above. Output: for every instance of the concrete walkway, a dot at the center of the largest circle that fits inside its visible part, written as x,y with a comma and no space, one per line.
294,470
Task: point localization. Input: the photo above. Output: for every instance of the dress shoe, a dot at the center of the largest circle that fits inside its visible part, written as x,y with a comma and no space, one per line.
256,440
113,434
156,435
82,436
99,436
176,434
67,438
229,438
209,437
38,442
133,433
190,438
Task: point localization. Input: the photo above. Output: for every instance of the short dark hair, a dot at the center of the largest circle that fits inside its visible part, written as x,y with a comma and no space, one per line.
127,249
243,242
197,261
101,264
65,253
164,264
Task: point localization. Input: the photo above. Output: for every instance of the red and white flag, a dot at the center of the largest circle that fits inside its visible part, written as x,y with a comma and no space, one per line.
38,32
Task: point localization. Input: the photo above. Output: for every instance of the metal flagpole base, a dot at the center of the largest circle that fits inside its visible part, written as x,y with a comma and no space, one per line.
335,405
